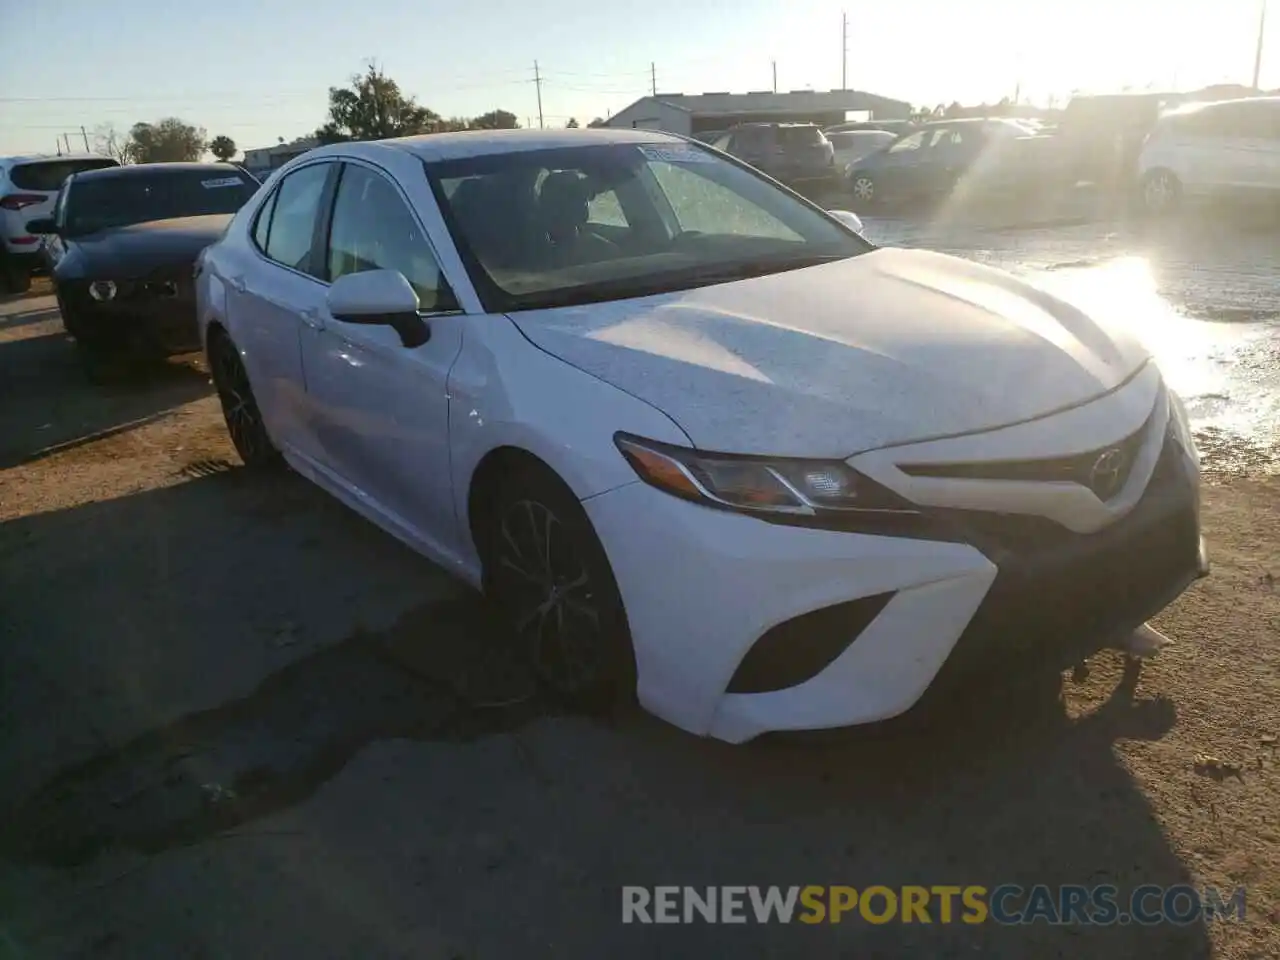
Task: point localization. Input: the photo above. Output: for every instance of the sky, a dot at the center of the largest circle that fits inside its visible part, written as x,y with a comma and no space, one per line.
259,70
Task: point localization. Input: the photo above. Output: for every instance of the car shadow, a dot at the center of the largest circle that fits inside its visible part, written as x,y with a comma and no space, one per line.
49,404
238,643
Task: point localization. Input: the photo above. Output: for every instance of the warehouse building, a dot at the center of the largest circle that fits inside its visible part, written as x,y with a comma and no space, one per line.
703,113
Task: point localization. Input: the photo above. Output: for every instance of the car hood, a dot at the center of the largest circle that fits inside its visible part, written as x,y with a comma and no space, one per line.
143,247
885,348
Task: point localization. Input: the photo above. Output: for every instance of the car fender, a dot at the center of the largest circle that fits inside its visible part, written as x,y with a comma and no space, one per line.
505,392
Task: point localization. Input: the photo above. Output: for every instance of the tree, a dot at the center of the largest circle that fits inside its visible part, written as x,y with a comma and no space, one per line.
597,122
222,147
373,108
572,124
110,142
169,139
495,120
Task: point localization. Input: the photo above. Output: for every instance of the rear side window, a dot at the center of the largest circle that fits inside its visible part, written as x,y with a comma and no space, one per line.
47,176
800,136
262,225
293,218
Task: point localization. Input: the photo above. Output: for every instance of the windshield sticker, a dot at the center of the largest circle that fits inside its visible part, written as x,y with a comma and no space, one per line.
224,182
677,154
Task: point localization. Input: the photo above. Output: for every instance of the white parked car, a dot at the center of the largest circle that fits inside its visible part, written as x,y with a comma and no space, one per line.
1226,148
701,440
28,187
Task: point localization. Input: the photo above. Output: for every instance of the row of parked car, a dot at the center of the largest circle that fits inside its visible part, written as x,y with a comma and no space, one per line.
702,443
1126,144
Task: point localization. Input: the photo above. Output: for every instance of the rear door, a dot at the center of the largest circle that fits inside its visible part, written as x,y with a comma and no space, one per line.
275,292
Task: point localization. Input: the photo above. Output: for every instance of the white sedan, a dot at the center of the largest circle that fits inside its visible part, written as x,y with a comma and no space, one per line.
705,444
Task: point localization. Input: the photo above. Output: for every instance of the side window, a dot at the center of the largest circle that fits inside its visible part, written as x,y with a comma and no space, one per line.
907,144
373,229
60,205
605,209
722,143
262,225
293,217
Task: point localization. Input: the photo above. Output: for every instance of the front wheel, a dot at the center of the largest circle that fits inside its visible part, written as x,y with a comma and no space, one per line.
546,569
865,193
239,407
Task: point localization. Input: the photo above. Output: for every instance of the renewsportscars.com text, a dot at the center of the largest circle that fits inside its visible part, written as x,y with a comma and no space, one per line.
1007,904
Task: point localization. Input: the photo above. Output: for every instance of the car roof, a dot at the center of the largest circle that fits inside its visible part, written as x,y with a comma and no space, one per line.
143,169
479,143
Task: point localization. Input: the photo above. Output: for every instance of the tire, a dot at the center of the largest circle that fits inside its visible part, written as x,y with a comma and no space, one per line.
239,406
863,187
14,278
1161,193
546,570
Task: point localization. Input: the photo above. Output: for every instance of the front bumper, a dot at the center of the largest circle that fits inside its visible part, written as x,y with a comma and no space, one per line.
155,315
702,588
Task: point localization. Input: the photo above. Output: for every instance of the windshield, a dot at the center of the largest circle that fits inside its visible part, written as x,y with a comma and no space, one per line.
118,201
584,224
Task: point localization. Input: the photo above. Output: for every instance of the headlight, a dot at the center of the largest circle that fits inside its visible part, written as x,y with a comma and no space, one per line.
102,290
758,484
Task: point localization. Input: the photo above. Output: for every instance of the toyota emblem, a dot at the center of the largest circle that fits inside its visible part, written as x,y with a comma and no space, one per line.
1107,475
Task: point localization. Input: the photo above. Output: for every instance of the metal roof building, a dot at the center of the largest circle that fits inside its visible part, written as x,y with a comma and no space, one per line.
693,114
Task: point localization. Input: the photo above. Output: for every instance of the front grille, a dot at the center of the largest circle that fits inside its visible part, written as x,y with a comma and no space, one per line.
1104,470
1067,596
1005,537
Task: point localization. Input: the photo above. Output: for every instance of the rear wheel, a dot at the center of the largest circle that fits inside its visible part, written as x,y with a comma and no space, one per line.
546,569
1161,192
239,407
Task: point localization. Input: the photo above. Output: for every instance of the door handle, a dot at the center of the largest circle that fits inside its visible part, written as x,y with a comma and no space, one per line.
237,283
311,317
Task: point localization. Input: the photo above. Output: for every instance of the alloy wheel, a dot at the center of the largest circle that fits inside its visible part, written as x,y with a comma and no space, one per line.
239,408
864,189
543,577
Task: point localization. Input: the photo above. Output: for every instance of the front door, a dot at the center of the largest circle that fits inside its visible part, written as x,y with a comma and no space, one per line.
380,409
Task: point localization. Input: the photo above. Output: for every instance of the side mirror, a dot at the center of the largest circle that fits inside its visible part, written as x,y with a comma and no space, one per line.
42,225
380,298
849,219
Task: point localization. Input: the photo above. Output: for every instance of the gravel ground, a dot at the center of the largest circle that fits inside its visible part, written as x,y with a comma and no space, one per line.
236,720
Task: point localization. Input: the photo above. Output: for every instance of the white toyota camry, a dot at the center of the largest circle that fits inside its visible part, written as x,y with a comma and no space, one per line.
703,442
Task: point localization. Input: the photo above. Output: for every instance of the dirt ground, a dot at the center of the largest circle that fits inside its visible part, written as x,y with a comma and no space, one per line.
236,720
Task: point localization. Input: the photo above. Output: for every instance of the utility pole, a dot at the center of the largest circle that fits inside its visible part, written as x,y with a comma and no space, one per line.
67,140
653,78
537,82
86,138
844,51
1257,60
775,76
